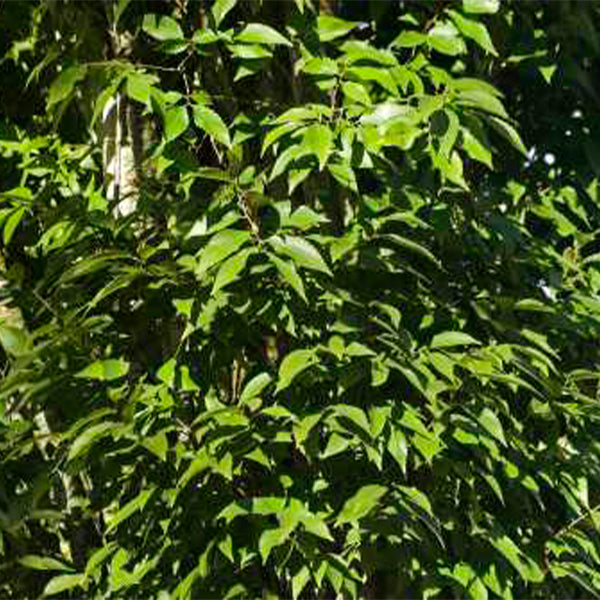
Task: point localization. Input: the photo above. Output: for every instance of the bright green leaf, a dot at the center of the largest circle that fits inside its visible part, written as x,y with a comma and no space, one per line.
330,28
258,33
62,583
220,246
176,122
481,6
162,28
288,272
318,140
474,30
255,387
292,365
220,9
230,269
209,121
361,504
43,563
448,339
105,370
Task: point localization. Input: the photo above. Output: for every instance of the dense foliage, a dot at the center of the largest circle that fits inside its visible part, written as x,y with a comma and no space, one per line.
344,343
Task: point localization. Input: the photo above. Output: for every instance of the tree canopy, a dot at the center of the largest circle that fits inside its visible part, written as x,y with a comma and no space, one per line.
299,299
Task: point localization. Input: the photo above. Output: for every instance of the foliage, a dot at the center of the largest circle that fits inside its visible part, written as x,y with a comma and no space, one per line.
346,345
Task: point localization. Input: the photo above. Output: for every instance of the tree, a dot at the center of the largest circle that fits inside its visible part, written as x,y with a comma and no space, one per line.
342,342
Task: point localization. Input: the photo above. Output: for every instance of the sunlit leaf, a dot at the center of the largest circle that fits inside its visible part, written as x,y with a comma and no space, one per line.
292,365
361,504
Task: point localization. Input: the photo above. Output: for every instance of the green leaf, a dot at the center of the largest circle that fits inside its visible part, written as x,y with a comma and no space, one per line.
448,339
491,423
43,563
344,175
398,448
316,526
476,149
547,72
318,140
335,444
255,387
301,251
320,66
62,583
271,538
296,177
288,272
418,498
409,39
220,9
445,38
404,242
330,28
304,218
356,92
466,576
257,33
354,414
158,445
14,340
292,365
526,567
284,159
87,438
176,121
267,505
220,246
230,269
507,131
250,51
63,86
119,8
162,28
377,74
361,504
209,121
299,581
358,51
105,370
474,30
451,134
278,132
12,223
129,509
303,428
481,6
98,557
482,100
